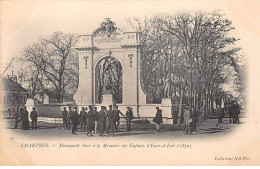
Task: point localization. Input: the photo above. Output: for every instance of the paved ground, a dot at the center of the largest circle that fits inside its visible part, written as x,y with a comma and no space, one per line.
55,131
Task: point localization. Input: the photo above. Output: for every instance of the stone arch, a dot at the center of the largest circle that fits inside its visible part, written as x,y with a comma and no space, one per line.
108,79
100,57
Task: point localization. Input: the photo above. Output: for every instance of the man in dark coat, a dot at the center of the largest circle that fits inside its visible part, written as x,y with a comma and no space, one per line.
95,117
64,118
69,118
75,120
117,114
34,117
129,116
25,119
90,121
110,121
101,120
83,119
16,118
158,119
194,115
236,112
230,112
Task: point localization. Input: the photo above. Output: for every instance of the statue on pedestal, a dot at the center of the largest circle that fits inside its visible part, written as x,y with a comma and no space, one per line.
107,88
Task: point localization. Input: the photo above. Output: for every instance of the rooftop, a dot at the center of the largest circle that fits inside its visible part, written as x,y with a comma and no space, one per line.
10,85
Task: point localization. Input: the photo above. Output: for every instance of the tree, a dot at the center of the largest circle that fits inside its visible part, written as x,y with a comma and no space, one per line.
9,65
55,62
193,53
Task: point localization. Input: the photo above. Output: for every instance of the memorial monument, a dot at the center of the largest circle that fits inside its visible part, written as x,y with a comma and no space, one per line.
109,71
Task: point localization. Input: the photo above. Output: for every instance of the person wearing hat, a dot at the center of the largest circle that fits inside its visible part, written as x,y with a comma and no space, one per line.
69,118
187,120
34,116
110,121
83,119
158,119
24,118
101,120
90,121
95,118
129,116
75,120
64,118
236,112
117,117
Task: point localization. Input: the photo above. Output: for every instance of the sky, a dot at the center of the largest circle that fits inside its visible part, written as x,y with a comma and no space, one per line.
22,22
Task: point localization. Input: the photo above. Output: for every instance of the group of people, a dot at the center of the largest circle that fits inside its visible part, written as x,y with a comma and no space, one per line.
92,121
190,117
89,119
21,115
233,110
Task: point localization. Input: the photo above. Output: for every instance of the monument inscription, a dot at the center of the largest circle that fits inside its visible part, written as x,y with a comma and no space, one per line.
108,40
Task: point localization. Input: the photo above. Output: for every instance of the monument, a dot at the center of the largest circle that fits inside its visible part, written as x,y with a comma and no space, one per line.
109,71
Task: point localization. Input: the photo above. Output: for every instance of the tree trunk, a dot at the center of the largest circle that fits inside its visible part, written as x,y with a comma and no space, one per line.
180,109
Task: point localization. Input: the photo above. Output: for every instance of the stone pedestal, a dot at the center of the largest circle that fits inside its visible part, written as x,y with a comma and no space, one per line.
30,104
166,107
107,99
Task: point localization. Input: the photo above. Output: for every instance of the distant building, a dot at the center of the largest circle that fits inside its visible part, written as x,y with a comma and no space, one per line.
12,94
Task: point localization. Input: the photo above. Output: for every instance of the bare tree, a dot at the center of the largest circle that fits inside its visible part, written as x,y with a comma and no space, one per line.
188,56
53,58
9,65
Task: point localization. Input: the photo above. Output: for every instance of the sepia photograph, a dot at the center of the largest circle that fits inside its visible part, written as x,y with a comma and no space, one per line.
160,82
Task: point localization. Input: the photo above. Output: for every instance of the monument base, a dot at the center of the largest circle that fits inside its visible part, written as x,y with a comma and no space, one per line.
166,107
30,104
107,99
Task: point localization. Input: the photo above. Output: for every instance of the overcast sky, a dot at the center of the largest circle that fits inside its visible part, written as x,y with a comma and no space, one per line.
23,22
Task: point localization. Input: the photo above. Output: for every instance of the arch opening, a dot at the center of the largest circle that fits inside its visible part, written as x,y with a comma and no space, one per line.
108,79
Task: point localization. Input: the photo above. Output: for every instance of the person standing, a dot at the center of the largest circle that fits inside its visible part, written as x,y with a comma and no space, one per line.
117,114
9,113
110,121
129,116
83,119
21,112
12,111
95,118
194,115
157,119
90,121
101,120
230,112
34,117
220,114
187,120
236,112
16,118
25,119
64,118
75,120
69,118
